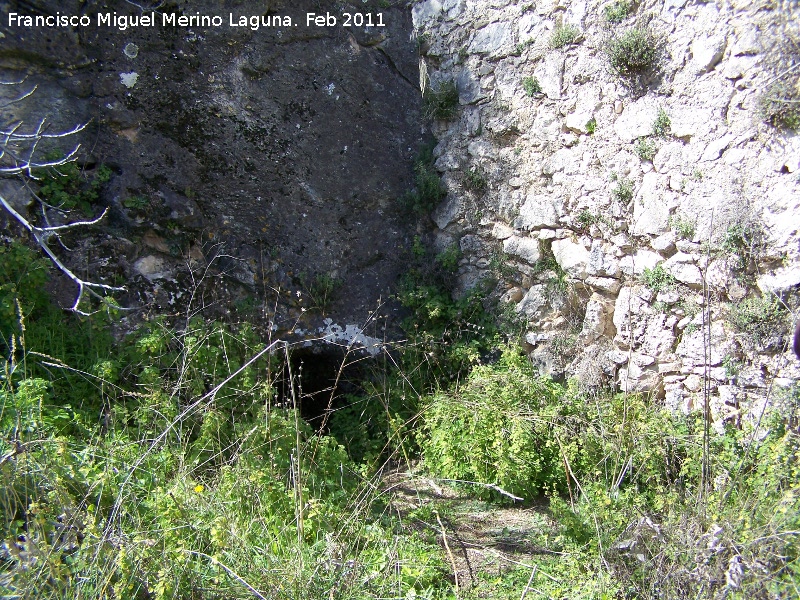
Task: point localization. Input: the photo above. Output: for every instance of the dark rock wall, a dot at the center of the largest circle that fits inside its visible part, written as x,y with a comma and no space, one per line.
274,157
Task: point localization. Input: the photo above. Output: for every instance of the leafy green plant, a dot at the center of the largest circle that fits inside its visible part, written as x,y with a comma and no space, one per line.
475,180
136,203
441,102
685,228
68,187
657,278
623,191
634,52
591,126
618,11
428,187
563,35
646,149
531,86
662,124
760,317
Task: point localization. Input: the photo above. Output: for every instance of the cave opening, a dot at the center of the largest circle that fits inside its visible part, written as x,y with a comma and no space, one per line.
318,378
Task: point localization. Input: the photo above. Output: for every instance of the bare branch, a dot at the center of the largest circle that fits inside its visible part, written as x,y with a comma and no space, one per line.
18,159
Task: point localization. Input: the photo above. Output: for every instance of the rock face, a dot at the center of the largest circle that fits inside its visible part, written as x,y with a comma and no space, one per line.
278,154
663,203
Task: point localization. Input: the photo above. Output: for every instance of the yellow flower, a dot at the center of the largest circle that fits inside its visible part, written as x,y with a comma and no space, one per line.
199,488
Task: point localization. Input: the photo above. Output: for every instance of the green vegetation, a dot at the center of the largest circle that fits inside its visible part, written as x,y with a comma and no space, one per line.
780,105
618,11
634,52
531,86
760,317
623,191
744,242
685,228
475,181
587,218
428,187
320,289
563,35
657,278
646,149
662,124
138,203
441,102
591,126
175,465
68,187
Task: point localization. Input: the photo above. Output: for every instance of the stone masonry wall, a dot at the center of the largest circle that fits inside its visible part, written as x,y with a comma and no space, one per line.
658,239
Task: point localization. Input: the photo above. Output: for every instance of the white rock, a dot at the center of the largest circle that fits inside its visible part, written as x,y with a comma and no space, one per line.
664,243
152,268
448,211
636,264
533,302
693,345
637,119
501,231
716,148
494,39
651,208
425,12
780,281
605,284
550,73
571,257
526,248
598,321
538,211
681,266
707,51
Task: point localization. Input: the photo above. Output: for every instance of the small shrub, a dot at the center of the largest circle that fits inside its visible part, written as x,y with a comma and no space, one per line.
759,317
563,35
634,52
531,86
428,187
685,228
449,258
591,126
442,102
662,124
623,191
744,240
475,181
618,11
657,278
646,149
136,203
780,106
587,218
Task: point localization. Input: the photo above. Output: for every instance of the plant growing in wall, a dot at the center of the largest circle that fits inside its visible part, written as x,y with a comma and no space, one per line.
441,101
634,52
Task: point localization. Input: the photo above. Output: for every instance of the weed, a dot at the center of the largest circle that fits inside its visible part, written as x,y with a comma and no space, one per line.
531,86
685,228
587,218
563,35
657,278
732,366
68,187
428,189
780,106
697,175
441,102
618,11
321,290
623,191
136,203
449,258
475,181
662,124
744,241
591,126
520,47
646,149
759,317
634,52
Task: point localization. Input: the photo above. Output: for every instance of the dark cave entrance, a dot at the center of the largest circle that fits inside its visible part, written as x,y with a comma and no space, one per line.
318,377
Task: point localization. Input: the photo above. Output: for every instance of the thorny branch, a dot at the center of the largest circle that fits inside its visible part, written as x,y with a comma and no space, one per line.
18,150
